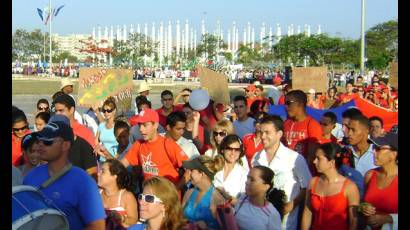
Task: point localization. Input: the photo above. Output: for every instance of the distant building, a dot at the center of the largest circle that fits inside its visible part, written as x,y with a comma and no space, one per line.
71,43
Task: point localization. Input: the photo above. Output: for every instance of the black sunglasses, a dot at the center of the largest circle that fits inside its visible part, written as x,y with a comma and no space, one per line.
222,134
42,108
149,198
107,110
233,149
20,129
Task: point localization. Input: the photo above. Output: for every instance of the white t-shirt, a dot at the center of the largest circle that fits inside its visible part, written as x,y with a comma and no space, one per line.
249,216
291,175
244,127
235,181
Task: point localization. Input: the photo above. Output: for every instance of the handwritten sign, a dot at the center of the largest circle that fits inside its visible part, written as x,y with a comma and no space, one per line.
305,78
215,83
97,84
394,74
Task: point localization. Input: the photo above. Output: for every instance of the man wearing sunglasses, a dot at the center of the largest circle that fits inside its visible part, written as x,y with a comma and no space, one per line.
167,100
74,192
302,133
157,155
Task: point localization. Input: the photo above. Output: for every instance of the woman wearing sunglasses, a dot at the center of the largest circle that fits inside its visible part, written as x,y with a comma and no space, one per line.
105,132
19,128
119,203
43,106
159,206
200,202
231,179
221,129
382,184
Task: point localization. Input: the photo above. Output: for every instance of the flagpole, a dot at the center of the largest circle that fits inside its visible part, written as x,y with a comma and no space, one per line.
50,62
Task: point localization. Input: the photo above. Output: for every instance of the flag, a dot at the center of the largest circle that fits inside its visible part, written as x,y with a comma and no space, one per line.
58,10
40,13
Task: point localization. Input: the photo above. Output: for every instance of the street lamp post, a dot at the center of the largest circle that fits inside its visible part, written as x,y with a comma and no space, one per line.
362,45
51,60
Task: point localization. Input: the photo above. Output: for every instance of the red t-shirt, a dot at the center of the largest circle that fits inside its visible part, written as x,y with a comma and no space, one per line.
16,151
281,100
163,118
251,147
161,157
249,101
83,132
325,140
209,113
298,135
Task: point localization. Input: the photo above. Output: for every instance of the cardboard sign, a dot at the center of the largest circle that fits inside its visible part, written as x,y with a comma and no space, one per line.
394,74
305,78
97,84
215,83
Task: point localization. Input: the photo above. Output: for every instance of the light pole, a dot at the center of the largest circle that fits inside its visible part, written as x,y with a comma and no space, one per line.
362,48
49,8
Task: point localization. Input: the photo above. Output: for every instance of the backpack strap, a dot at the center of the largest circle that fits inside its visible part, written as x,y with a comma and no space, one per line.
56,176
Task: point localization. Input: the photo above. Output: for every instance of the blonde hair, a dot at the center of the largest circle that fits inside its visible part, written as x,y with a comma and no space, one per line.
224,125
214,165
166,191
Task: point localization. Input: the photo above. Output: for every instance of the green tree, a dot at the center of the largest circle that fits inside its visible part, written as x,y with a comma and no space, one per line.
65,55
209,45
382,44
30,45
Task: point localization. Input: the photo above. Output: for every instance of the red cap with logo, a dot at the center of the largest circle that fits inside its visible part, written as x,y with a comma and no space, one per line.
147,115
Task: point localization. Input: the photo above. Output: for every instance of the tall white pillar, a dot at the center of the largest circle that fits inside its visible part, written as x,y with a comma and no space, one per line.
112,36
253,38
169,47
229,40
131,29
138,29
244,36
153,32
202,27
165,42
248,40
186,36
278,32
124,38
270,37
178,44
146,33
195,41
308,33
236,39
234,36
183,43
161,43
305,29
319,31
263,33
191,39
298,31
93,36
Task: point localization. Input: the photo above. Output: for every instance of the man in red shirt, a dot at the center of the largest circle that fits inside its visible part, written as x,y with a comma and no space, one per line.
65,105
250,95
167,100
259,94
349,95
328,123
157,155
302,133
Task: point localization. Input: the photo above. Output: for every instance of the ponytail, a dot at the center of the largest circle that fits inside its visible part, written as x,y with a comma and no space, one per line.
277,198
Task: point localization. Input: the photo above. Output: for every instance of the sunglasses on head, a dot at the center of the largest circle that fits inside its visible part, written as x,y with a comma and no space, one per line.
222,134
149,198
20,129
107,110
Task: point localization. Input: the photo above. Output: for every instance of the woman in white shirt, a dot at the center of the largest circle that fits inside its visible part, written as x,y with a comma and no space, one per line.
262,203
231,179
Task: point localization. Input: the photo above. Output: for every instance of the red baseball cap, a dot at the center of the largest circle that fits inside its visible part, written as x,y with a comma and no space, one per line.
147,115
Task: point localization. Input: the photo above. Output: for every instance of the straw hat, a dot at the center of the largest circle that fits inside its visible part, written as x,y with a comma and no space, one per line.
66,82
143,87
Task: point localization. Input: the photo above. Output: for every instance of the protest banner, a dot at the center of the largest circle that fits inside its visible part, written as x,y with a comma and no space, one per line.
305,78
215,83
394,74
97,84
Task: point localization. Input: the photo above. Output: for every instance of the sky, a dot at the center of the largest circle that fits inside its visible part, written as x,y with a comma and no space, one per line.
341,18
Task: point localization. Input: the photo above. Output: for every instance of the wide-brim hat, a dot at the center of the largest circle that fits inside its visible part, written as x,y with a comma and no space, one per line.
66,82
143,87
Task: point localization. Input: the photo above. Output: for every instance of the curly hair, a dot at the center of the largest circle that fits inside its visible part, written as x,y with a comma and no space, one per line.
124,180
167,192
226,126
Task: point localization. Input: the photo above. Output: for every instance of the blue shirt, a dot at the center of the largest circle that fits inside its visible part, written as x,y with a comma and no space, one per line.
354,176
202,210
75,193
107,138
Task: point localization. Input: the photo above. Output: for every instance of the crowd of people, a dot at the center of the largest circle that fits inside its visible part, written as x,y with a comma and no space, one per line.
174,167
